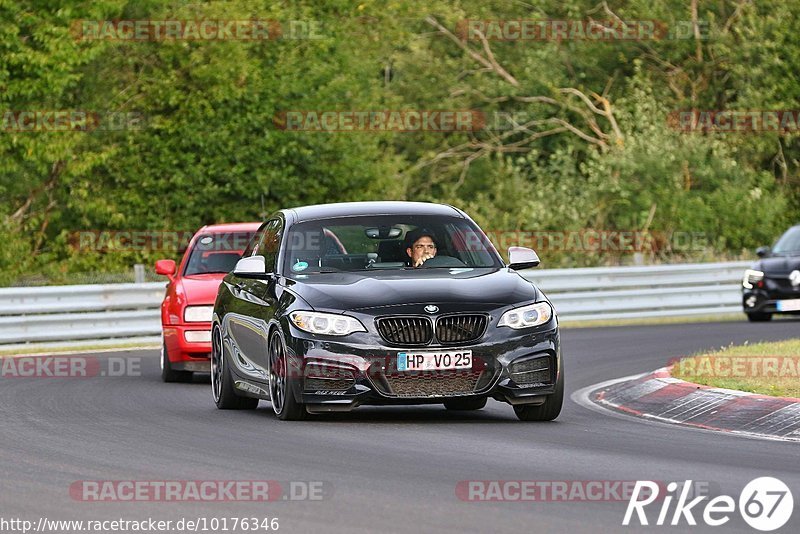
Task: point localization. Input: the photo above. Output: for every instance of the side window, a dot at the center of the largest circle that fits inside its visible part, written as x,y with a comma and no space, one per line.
254,241
270,243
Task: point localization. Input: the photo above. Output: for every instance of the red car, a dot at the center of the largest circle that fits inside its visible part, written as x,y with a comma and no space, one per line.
192,289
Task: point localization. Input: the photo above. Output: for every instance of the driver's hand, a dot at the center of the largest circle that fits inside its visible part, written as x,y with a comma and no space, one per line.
423,259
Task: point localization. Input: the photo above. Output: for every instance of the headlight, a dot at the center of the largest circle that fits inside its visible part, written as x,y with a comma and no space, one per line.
198,314
527,316
329,324
752,277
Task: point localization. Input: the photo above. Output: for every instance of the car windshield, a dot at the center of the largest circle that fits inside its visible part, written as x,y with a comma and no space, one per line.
216,253
788,242
374,243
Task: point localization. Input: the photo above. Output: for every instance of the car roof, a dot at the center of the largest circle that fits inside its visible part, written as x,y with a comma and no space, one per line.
347,209
229,227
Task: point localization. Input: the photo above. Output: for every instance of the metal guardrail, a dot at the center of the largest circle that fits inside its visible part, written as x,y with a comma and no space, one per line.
680,290
35,315
87,312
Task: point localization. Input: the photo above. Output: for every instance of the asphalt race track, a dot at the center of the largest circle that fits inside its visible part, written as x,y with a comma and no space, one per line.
385,469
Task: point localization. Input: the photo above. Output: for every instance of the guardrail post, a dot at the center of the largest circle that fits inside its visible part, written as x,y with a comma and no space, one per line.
138,273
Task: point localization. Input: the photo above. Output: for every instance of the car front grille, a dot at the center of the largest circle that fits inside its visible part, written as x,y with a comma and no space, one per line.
415,331
407,331
427,384
434,384
460,328
531,371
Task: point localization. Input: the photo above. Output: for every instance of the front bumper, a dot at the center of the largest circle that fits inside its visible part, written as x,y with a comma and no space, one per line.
508,365
763,301
186,355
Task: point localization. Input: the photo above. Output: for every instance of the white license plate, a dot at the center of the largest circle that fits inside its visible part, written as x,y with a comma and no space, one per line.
434,361
789,305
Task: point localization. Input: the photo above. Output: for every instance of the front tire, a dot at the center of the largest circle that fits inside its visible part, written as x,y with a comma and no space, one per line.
465,404
759,317
547,411
168,374
281,391
222,381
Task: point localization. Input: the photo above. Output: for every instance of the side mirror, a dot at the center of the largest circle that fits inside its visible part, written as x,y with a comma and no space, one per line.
762,252
251,267
167,268
522,258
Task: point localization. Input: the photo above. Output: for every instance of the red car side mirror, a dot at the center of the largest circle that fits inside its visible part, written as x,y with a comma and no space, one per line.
166,267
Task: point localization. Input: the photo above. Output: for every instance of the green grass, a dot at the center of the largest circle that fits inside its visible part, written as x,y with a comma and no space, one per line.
566,323
769,368
78,348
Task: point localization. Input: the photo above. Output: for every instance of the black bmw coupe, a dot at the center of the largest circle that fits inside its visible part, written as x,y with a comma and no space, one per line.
383,303
772,284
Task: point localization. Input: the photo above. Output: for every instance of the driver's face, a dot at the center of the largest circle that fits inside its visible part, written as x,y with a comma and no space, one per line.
423,249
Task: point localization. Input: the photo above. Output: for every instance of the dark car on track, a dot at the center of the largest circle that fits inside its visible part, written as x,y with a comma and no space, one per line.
772,284
328,310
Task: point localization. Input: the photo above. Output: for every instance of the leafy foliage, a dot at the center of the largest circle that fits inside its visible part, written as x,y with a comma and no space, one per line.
591,147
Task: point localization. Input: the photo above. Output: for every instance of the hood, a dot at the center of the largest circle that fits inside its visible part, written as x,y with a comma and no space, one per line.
452,289
201,288
781,265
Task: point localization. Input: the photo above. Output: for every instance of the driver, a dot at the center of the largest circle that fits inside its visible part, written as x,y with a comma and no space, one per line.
421,246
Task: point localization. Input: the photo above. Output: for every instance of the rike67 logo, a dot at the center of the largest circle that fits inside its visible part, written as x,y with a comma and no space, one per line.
765,504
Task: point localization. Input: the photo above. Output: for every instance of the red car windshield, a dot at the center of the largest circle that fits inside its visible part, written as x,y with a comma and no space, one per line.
216,253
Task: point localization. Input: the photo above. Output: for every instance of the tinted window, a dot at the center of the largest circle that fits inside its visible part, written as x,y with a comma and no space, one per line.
270,243
381,242
254,241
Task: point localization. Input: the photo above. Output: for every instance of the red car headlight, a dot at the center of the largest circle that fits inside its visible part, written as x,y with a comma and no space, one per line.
198,314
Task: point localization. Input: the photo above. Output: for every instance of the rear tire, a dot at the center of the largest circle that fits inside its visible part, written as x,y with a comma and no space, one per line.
168,374
759,317
281,383
465,404
222,382
547,411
